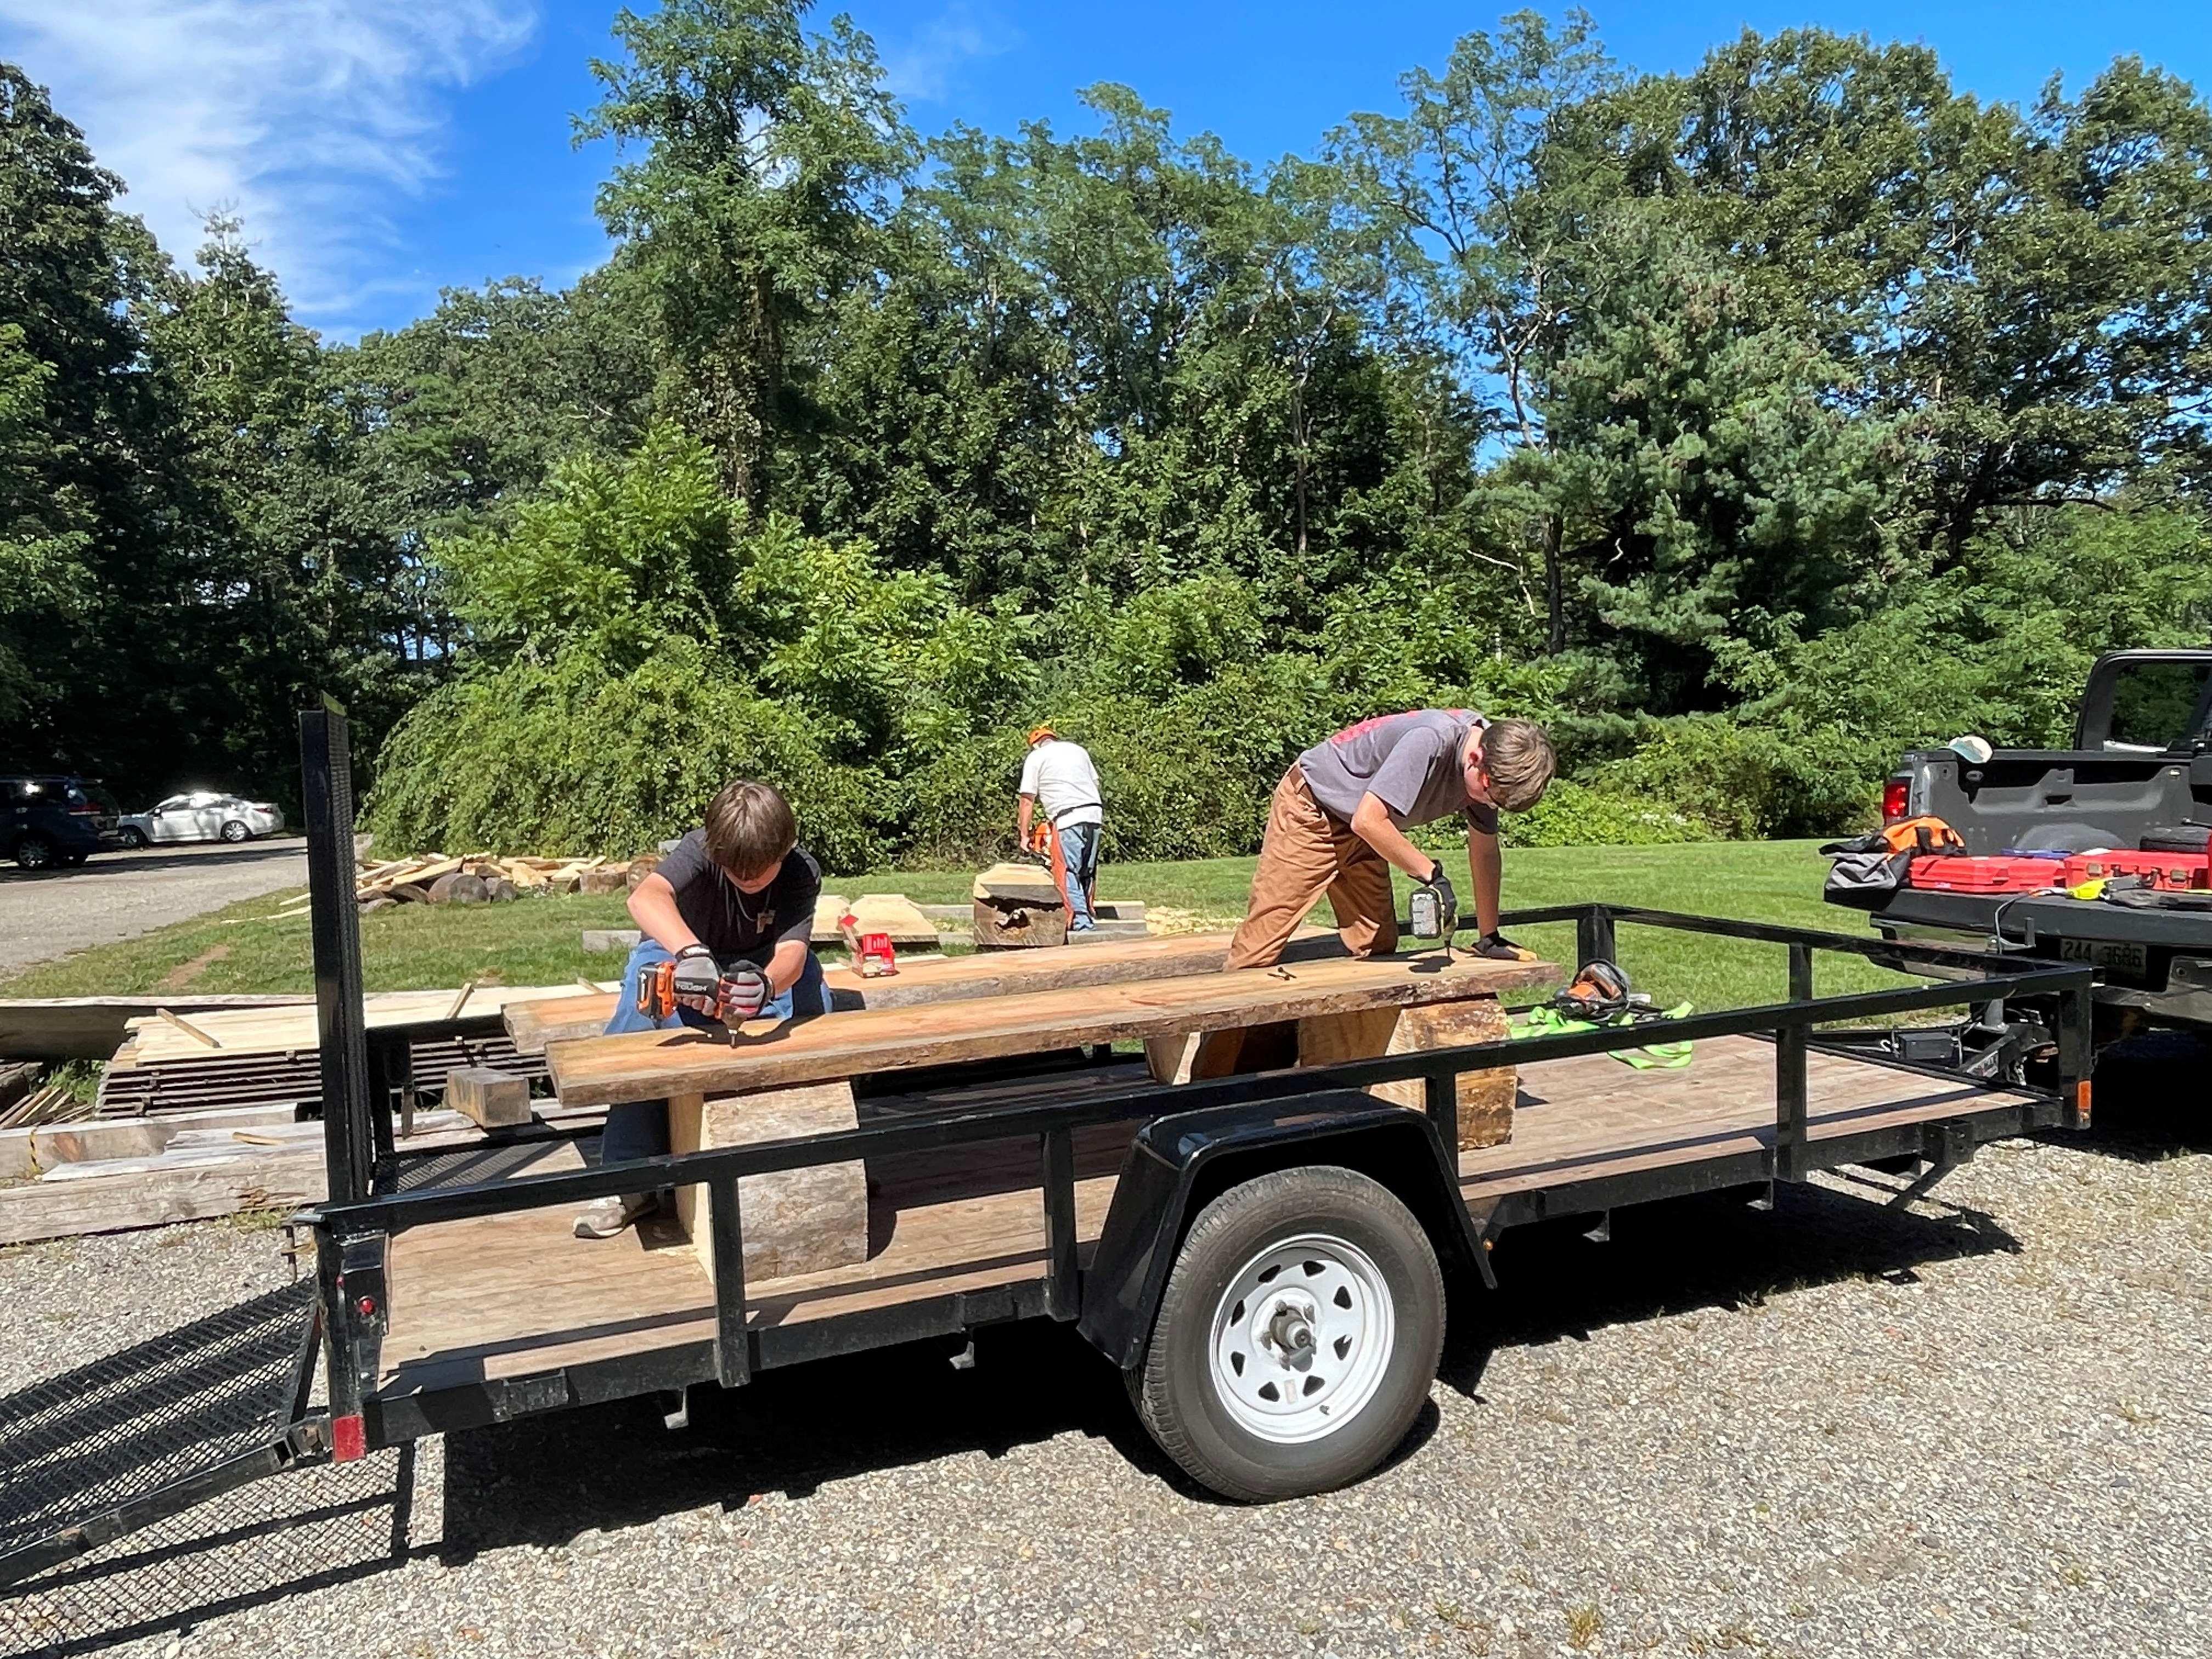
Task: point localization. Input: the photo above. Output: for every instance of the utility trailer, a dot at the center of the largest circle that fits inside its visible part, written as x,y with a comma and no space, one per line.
1263,1256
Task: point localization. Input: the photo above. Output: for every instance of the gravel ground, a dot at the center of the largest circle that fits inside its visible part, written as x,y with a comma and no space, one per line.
1976,1429
121,895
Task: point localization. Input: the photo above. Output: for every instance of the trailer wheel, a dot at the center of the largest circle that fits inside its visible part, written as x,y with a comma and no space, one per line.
1300,1330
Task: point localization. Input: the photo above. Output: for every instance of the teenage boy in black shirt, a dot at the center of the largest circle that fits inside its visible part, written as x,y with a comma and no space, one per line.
733,904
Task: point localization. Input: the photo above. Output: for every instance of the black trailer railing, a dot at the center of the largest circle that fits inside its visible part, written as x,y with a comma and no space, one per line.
353,1235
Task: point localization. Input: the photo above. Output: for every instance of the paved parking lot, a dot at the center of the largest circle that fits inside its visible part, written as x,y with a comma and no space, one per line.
1975,1429
121,895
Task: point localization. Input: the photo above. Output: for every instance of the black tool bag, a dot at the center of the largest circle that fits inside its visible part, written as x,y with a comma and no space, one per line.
2178,838
1866,880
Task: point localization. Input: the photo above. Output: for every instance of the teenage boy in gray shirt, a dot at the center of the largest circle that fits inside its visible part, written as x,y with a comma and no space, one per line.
1339,819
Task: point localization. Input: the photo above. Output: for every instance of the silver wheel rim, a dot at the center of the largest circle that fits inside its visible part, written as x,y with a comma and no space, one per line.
1301,1339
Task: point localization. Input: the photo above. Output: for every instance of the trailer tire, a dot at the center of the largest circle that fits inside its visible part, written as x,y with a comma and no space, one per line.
1299,1332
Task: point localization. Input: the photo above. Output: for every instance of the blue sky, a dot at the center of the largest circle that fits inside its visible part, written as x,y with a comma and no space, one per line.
381,149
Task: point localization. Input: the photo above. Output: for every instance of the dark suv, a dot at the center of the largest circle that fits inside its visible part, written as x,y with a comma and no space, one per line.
46,819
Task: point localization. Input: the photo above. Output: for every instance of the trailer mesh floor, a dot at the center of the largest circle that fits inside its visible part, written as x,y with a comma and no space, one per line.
168,1409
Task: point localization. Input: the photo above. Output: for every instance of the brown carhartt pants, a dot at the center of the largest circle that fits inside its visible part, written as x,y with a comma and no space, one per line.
1306,854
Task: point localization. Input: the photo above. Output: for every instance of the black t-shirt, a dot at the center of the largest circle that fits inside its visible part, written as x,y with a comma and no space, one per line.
733,924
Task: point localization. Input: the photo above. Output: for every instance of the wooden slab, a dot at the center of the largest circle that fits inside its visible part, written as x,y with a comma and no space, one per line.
656,1065
532,1025
793,1221
997,926
1486,1098
1015,884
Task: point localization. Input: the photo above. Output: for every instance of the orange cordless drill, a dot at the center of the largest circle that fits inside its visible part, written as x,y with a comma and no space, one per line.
739,993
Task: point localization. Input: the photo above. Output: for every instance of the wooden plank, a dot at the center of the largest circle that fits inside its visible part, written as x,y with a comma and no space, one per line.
513,1295
112,1203
653,1065
179,1023
1166,955
490,1099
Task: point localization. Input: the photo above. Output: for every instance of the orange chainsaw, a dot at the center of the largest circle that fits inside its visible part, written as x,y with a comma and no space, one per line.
1044,843
742,991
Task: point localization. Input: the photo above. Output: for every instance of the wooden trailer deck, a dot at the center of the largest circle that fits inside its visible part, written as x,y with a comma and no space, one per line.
514,1295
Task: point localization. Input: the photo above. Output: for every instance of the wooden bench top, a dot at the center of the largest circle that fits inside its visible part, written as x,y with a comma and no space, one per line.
655,1064
532,1025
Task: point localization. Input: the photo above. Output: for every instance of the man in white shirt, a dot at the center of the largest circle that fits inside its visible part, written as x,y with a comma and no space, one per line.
1059,776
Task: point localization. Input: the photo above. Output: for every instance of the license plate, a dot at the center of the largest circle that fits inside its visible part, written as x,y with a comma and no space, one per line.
2104,953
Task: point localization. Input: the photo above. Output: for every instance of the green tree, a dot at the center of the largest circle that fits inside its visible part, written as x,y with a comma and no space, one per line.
767,156
1488,182
1717,494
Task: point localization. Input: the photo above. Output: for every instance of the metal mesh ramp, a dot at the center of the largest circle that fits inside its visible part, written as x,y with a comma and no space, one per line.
171,1408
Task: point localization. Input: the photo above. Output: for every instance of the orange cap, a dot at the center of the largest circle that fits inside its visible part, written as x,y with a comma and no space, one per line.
1039,734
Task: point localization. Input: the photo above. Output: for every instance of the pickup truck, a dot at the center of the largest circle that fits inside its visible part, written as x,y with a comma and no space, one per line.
2140,764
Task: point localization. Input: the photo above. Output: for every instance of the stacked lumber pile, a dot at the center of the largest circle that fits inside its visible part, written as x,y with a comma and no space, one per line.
481,878
269,1057
53,1105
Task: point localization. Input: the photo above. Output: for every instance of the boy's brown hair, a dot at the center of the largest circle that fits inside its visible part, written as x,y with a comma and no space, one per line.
750,826
1519,757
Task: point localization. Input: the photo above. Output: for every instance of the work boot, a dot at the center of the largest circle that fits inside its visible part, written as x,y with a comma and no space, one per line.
605,1217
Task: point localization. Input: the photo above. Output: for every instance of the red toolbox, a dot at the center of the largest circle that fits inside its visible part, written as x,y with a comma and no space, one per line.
1962,873
2171,873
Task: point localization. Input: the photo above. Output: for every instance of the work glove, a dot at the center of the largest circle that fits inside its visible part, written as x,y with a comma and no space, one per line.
1498,948
744,992
697,979
1440,886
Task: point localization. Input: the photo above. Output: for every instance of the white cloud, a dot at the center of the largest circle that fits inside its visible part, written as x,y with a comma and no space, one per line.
308,118
923,68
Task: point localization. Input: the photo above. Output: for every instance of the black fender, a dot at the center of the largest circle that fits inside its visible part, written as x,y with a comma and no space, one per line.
1179,1163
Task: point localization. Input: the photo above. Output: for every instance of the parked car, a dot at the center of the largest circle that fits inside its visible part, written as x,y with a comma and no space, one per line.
50,818
203,815
2137,779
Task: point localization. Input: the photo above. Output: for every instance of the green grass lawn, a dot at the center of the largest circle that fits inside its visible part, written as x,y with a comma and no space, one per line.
534,941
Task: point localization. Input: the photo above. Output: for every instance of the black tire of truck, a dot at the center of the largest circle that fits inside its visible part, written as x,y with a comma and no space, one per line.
34,851
1299,1333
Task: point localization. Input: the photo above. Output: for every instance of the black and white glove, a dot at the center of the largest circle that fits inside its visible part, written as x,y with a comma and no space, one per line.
744,992
1498,948
1438,888
696,980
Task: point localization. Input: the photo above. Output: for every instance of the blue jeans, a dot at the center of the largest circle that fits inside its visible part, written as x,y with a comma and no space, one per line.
1079,852
639,1129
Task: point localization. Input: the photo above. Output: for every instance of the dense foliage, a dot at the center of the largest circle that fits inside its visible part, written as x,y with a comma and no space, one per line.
1748,425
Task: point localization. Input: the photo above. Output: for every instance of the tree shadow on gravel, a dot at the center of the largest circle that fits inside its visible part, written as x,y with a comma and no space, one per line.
1715,1251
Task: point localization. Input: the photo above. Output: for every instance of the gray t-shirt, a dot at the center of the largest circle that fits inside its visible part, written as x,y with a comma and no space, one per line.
1410,762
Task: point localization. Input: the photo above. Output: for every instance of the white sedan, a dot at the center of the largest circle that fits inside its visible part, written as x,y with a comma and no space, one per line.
203,816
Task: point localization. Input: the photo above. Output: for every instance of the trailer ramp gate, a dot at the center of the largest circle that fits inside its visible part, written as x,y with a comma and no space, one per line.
141,1435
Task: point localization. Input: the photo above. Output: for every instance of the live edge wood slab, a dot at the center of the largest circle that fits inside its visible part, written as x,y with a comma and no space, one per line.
533,1025
659,1065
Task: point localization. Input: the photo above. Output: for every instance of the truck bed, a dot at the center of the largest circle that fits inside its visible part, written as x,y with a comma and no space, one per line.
508,1297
